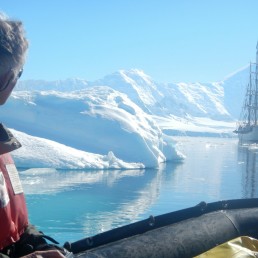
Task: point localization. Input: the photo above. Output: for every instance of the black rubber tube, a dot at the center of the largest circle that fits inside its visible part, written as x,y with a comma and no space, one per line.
184,239
183,233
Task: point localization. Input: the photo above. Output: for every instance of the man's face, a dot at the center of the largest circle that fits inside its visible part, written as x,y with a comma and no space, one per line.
8,81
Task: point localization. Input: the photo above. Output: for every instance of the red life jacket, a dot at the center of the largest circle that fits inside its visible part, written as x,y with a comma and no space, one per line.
13,211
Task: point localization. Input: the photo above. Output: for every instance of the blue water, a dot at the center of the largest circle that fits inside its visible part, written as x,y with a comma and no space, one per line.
70,205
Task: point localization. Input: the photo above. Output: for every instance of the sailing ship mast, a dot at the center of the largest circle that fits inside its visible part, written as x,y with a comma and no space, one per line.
256,89
249,115
253,93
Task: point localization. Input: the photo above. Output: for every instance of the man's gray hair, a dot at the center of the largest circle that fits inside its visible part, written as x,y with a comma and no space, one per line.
13,43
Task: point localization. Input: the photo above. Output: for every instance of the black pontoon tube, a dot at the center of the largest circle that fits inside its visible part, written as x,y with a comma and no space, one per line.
183,233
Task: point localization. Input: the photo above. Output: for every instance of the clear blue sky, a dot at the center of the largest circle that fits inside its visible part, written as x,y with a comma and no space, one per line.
170,40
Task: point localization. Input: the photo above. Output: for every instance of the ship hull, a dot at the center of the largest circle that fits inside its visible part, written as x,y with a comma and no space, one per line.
251,136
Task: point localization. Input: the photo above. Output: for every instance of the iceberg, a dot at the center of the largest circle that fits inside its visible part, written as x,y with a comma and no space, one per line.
97,128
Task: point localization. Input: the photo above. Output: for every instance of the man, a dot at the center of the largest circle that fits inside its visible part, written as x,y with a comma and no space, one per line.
17,237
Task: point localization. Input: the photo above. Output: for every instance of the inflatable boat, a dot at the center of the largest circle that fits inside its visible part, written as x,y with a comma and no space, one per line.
184,233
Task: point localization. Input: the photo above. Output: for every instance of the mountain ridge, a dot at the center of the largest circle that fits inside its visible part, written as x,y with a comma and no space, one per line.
215,100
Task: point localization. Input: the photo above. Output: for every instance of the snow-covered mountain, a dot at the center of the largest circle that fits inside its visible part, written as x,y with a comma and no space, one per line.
215,100
60,85
234,90
164,99
119,121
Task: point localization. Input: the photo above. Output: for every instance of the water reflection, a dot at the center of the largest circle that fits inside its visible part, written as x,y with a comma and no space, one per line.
88,202
206,174
70,205
248,156
127,211
51,181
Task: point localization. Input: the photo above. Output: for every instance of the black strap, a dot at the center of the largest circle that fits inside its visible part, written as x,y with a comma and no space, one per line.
30,241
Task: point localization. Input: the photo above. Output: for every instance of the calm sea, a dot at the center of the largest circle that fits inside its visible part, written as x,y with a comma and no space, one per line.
70,205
